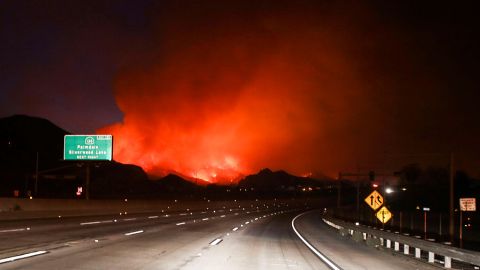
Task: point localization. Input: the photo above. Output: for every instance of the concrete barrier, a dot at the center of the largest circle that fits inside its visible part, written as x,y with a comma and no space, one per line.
16,208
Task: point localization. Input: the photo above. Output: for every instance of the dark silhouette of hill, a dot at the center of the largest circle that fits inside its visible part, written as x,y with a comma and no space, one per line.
114,180
22,137
269,181
176,184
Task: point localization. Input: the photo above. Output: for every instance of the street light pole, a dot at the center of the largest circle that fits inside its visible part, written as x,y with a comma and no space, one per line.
451,227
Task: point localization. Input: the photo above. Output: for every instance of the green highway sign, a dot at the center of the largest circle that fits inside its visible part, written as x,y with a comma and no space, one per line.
87,147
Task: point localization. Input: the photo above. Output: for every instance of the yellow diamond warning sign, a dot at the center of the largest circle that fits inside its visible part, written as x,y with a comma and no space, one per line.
384,215
374,200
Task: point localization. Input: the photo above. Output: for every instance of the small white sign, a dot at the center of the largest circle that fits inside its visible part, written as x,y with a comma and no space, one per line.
468,204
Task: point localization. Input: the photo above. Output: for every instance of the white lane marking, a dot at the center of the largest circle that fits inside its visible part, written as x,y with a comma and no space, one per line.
322,257
97,222
22,256
235,229
247,222
222,216
129,219
153,217
135,232
181,223
205,218
15,230
183,214
216,242
90,223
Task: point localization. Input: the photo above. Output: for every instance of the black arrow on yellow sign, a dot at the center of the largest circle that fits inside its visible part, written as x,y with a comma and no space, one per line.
374,200
379,200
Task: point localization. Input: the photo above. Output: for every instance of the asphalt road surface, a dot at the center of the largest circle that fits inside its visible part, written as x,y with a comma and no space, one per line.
245,237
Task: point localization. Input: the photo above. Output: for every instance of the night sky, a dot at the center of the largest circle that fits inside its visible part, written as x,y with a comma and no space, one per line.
213,89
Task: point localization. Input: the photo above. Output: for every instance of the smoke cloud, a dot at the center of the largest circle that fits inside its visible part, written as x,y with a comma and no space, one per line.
227,94
225,89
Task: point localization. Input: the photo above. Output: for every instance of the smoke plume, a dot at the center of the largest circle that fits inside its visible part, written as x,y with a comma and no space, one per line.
224,96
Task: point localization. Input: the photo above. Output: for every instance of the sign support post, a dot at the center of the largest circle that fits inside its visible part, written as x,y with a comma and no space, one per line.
87,181
461,230
88,148
466,204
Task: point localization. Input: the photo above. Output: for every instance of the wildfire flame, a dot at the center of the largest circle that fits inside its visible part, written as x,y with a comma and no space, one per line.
218,101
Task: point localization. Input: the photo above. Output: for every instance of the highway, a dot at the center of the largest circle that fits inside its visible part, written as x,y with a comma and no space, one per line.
246,237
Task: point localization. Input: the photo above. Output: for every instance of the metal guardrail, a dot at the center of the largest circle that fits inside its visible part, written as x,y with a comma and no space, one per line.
409,244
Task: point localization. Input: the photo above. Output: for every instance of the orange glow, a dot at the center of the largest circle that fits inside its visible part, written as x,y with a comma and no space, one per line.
217,103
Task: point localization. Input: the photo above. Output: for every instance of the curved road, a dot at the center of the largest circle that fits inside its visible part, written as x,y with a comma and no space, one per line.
240,238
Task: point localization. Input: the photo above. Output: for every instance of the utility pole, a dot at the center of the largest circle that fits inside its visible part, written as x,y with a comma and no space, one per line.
451,227
36,176
339,190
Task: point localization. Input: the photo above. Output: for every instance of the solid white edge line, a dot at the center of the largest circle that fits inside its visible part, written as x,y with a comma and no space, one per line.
135,232
22,256
181,223
216,242
153,217
313,249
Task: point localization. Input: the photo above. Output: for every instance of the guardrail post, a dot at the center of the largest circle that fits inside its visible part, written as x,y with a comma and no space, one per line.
448,262
447,254
417,253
